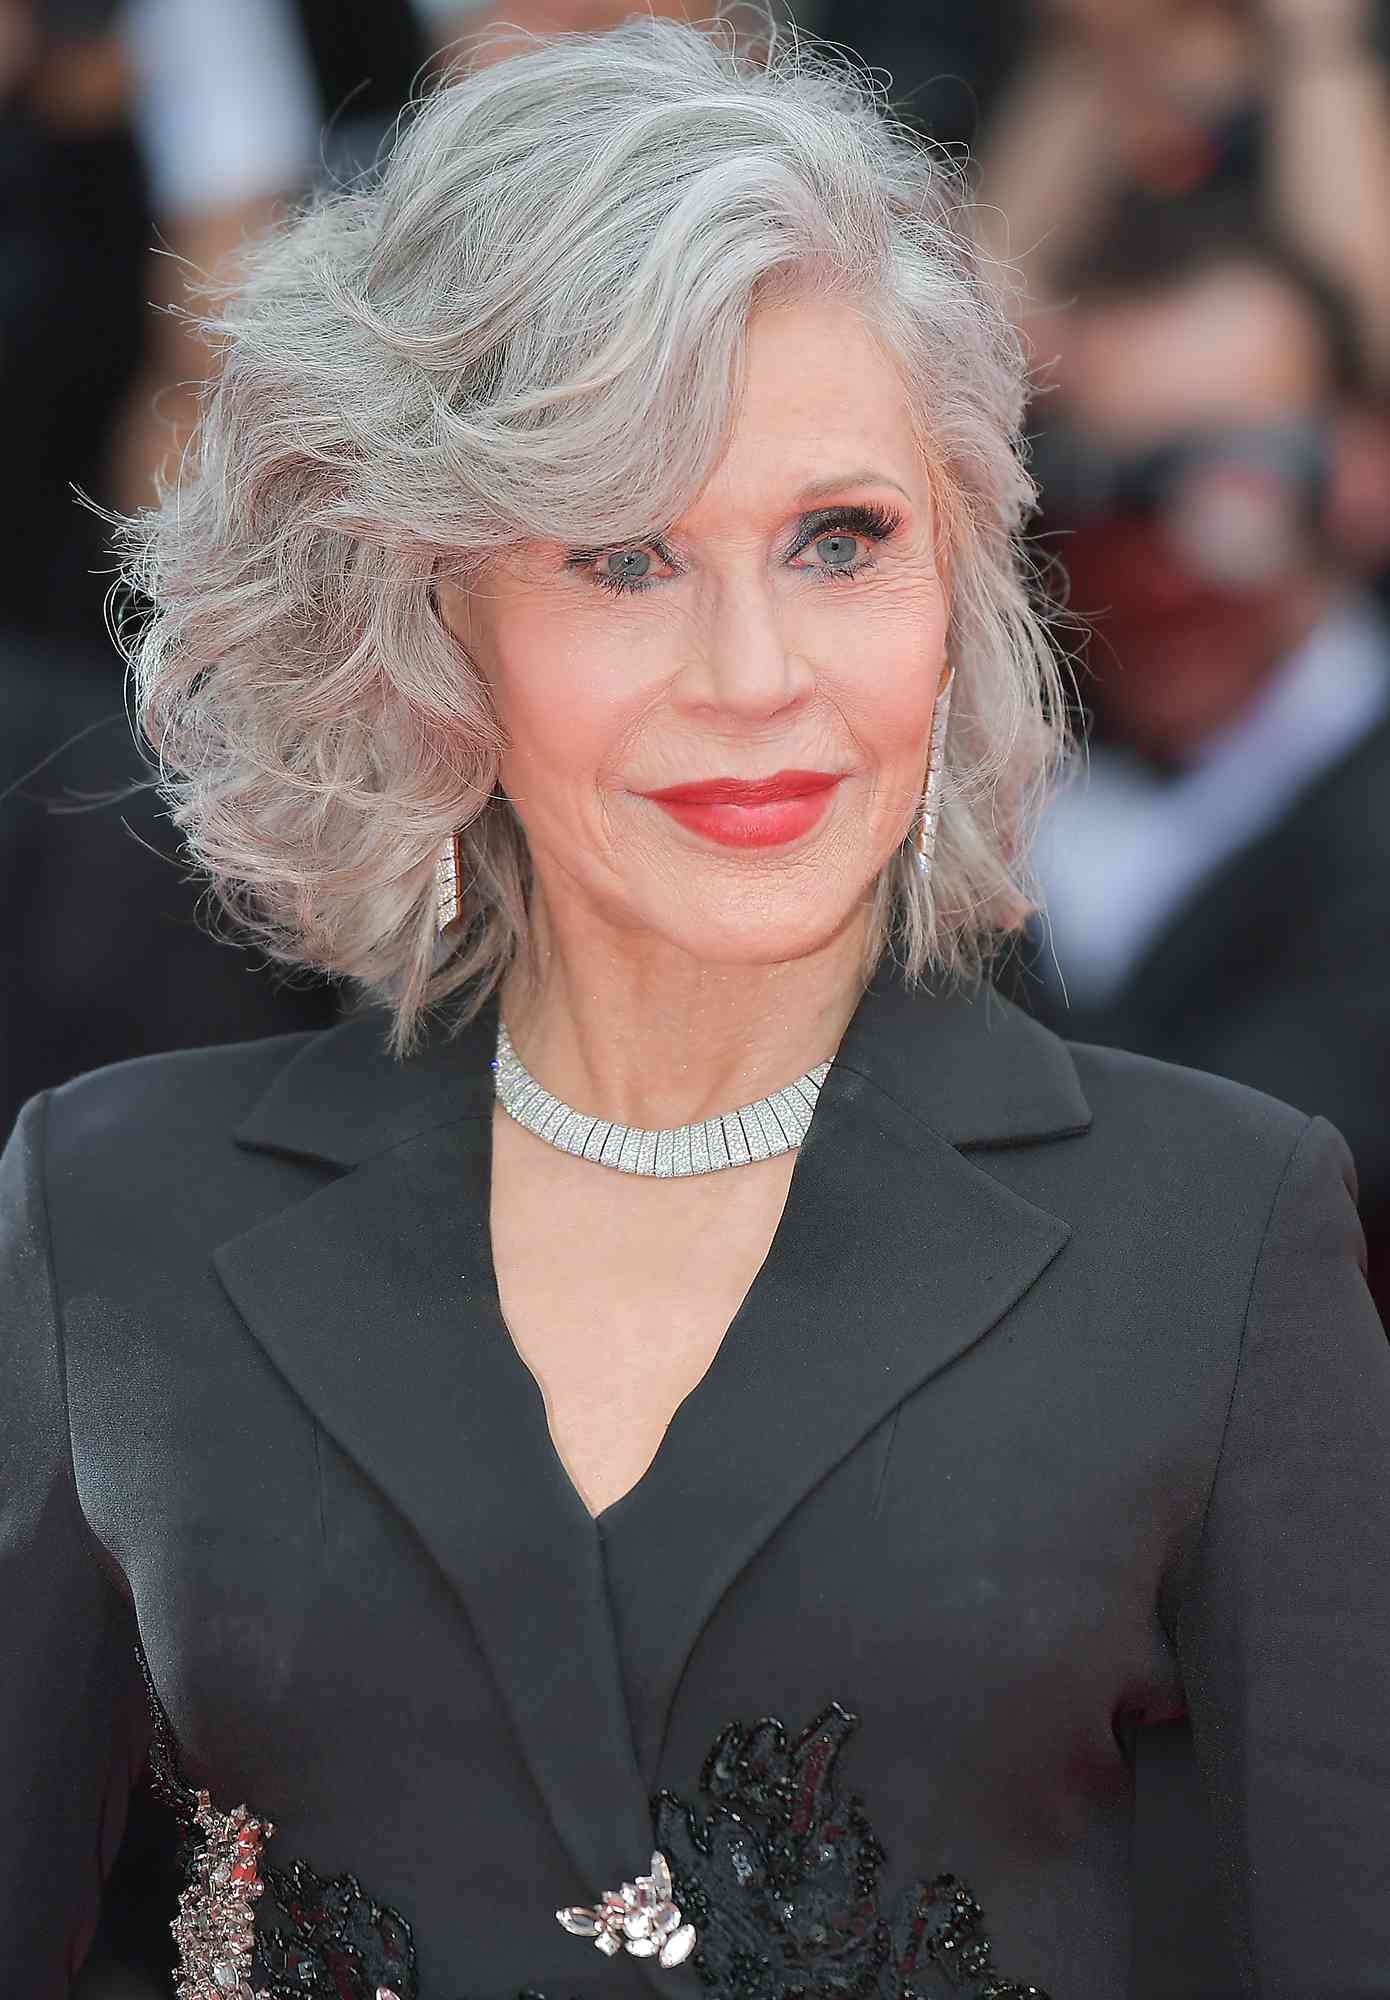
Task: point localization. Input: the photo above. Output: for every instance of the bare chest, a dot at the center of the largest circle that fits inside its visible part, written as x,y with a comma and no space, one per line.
618,1291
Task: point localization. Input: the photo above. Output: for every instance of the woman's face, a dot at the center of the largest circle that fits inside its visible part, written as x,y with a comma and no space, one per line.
793,622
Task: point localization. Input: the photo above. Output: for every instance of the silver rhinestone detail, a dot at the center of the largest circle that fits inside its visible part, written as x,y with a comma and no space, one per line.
551,1119
579,1137
774,1138
793,1114
639,1918
770,1125
753,1135
564,1132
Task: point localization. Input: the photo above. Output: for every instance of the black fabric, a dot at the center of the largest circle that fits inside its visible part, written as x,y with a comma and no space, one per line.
74,234
365,54
102,953
1276,971
367,58
1040,1429
945,64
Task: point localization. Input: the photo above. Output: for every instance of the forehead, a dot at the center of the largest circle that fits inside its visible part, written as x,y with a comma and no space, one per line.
822,400
1238,346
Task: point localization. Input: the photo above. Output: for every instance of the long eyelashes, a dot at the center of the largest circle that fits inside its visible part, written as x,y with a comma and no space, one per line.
871,523
874,523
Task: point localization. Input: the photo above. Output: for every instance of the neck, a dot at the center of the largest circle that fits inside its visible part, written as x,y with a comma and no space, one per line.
637,1030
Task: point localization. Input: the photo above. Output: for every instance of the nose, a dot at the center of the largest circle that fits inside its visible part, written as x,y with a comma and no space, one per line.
741,665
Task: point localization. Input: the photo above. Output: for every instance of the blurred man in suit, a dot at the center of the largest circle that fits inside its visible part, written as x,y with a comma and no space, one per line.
1218,882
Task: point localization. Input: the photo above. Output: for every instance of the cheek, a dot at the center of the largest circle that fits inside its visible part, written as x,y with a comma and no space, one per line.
563,708
889,676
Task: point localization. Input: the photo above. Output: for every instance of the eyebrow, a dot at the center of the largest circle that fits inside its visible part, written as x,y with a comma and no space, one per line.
817,489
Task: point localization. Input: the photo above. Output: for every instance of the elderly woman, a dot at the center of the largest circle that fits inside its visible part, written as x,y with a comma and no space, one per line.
686,1433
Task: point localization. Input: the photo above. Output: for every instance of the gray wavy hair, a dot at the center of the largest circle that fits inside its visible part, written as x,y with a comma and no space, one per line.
532,324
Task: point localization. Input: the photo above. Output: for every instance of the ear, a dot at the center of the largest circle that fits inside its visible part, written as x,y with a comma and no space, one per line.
452,601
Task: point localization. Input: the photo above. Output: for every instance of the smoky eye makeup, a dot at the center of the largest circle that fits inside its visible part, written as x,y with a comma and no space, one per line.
876,523
870,522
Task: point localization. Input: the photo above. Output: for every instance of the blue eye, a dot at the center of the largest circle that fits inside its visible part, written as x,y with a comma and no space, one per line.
834,533
623,567
619,570
836,551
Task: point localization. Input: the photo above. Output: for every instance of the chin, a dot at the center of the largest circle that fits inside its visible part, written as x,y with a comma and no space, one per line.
763,936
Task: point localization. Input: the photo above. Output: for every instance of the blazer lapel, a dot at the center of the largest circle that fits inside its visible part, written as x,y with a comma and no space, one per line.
376,1298
894,1255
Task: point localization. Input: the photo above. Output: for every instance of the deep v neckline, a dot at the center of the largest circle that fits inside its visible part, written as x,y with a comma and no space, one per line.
694,1421
375,1298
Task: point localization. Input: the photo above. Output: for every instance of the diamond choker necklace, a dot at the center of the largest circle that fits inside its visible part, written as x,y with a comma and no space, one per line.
775,1124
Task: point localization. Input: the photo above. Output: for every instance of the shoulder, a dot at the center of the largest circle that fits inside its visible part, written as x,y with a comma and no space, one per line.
1163,1104
1039,1083
127,1156
114,1184
1205,1159
180,1094
1197,1209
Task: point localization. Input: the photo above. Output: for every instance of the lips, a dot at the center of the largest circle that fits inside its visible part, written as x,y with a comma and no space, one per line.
746,792
750,812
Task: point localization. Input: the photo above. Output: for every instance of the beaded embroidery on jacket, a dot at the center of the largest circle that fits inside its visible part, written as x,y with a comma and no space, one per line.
777,1868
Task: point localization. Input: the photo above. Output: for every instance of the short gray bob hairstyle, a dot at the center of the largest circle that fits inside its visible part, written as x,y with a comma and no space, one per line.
531,325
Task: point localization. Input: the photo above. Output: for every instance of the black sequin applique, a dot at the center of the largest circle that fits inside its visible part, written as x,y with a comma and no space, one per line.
249,1930
777,1870
779,1874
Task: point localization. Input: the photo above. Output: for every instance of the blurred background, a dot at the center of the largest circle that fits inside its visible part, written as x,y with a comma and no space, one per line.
1196,197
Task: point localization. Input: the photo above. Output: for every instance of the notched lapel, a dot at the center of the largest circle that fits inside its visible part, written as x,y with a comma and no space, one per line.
375,1299
895,1255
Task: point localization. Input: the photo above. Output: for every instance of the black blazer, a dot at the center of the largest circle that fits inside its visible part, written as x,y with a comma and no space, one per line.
1276,971
1056,1422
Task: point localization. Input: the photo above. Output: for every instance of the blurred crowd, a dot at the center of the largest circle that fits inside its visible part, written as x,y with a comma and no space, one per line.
1195,196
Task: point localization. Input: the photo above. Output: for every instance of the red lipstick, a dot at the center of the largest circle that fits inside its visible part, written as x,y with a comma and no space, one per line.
750,812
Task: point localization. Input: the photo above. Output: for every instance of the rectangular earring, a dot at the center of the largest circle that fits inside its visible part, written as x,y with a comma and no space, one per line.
448,882
931,800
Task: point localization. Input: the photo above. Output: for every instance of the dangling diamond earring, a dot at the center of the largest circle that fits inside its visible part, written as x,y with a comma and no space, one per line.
448,883
925,841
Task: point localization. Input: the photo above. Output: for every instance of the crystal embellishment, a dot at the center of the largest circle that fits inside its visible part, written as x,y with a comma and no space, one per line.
248,1929
776,1867
757,1131
640,1919
215,1930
